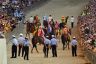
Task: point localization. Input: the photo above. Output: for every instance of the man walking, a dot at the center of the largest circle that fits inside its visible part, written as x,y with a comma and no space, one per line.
72,21
74,46
26,48
46,46
21,44
14,46
54,46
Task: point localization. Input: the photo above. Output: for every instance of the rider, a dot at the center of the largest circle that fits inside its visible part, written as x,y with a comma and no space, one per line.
64,36
45,21
40,34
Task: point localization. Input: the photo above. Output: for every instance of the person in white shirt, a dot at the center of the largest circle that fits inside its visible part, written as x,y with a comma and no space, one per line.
31,19
21,44
14,46
46,46
72,21
74,46
26,48
54,46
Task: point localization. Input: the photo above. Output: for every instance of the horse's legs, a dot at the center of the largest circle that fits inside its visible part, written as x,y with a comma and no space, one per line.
67,45
32,50
37,50
29,35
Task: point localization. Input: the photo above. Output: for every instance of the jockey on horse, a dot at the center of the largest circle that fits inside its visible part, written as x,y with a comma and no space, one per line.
65,36
30,26
39,34
57,28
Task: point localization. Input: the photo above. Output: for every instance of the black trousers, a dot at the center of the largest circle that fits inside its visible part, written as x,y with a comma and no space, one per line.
54,50
46,50
26,50
72,24
21,48
22,51
74,49
14,51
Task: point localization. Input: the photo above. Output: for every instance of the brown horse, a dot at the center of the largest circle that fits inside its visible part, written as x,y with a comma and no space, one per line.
65,40
39,39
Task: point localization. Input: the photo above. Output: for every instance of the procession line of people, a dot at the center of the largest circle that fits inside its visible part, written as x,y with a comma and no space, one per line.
44,35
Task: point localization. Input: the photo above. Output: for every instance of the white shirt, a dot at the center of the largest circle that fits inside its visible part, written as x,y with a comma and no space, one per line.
72,19
14,41
21,40
53,41
50,18
26,43
73,42
31,20
47,41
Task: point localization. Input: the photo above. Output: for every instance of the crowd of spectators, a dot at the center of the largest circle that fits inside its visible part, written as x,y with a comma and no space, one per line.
87,25
12,13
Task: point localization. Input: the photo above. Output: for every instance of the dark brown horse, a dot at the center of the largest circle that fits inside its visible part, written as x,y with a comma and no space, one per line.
65,40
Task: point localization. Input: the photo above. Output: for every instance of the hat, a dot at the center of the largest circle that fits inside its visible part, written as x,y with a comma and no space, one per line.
13,36
74,37
53,36
21,34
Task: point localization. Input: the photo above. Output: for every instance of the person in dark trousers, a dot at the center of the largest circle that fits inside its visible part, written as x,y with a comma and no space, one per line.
34,43
23,50
14,46
54,46
21,44
74,46
66,19
26,49
46,46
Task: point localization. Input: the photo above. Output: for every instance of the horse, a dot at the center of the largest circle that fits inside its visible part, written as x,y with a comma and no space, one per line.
65,37
30,28
39,39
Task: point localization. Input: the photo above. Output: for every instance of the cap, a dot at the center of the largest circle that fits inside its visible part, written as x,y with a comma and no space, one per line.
53,36
21,34
13,36
74,37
